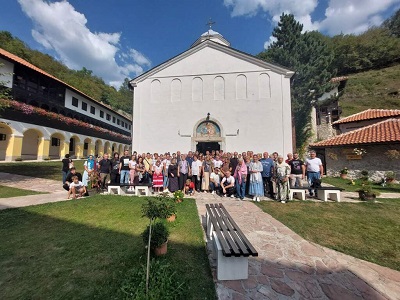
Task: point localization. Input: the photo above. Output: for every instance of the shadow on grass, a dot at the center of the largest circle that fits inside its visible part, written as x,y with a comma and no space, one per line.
83,249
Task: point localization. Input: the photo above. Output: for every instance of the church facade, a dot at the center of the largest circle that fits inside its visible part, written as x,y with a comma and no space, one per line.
212,97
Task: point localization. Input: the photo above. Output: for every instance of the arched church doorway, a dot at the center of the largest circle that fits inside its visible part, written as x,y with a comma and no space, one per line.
203,147
56,142
30,144
208,136
72,145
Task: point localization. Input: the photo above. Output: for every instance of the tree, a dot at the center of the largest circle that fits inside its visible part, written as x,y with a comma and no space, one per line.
393,24
310,56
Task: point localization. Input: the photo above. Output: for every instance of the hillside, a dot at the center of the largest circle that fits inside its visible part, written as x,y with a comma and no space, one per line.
371,89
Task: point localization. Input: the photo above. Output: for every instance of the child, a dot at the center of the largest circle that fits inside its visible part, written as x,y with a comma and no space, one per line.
189,187
75,187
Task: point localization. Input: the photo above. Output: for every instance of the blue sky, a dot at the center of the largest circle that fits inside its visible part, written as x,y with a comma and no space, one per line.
123,38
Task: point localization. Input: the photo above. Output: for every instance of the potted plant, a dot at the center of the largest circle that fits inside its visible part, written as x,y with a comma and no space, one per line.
344,172
178,196
366,193
159,238
390,176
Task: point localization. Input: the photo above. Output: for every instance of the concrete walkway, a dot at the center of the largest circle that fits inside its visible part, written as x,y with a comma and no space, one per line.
33,184
288,267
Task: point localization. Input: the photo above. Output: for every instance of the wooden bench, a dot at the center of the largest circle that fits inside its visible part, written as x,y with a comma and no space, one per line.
231,247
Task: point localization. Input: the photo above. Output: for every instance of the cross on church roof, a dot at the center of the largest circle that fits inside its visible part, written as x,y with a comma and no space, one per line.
210,23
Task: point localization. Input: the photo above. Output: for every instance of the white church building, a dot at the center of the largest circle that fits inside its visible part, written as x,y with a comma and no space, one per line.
212,97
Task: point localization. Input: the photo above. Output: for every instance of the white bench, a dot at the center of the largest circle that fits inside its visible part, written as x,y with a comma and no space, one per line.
325,193
114,187
297,192
139,189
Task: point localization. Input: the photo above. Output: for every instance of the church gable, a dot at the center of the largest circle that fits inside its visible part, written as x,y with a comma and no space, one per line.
210,58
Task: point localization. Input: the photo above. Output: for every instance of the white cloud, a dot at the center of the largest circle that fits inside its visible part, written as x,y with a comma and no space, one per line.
347,16
353,16
59,27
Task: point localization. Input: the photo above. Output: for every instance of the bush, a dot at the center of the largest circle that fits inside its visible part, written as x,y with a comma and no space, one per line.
161,207
159,235
164,283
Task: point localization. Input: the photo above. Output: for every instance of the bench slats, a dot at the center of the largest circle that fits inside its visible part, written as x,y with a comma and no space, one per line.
232,239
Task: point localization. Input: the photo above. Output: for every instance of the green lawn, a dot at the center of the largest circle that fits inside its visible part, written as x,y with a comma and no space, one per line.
82,249
43,169
348,186
369,231
8,192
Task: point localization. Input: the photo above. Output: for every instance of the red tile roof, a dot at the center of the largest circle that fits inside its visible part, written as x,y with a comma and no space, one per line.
369,114
338,79
33,67
387,131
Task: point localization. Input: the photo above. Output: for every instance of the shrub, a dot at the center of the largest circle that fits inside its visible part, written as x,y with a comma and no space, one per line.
390,175
159,235
344,171
164,283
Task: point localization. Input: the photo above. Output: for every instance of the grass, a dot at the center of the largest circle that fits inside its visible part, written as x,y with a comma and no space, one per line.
369,231
348,186
8,192
371,89
82,249
44,169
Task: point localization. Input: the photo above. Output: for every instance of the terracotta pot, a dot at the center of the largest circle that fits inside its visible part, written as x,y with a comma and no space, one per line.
178,200
162,250
343,176
171,218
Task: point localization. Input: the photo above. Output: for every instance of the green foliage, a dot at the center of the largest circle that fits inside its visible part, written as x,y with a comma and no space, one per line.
344,171
390,175
310,56
83,79
160,207
164,283
178,195
374,49
159,235
393,24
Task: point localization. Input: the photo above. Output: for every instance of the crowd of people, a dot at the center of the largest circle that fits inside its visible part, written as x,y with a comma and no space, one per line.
227,174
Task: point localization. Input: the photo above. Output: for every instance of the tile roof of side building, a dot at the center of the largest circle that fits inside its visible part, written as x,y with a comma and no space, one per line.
387,131
21,61
368,115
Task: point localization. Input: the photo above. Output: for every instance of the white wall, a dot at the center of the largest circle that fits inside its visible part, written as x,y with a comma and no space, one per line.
6,73
263,121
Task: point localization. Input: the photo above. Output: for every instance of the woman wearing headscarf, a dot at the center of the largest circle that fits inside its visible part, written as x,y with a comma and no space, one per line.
89,165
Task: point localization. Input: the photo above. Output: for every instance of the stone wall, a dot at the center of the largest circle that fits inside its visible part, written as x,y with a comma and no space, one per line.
377,160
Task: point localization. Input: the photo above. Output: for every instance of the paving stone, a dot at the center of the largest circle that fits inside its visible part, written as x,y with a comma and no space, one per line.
235,285
314,289
337,292
250,283
281,287
266,292
271,270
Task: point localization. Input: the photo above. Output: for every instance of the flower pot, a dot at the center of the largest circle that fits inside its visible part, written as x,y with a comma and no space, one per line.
366,196
162,250
171,218
178,200
343,176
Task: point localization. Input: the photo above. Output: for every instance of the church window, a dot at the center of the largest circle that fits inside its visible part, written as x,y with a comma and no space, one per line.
84,106
92,110
197,89
75,101
264,86
219,88
241,87
155,90
113,119
108,117
176,88
101,114
118,121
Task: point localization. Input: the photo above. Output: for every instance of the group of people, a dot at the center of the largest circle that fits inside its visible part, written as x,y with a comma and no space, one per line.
227,174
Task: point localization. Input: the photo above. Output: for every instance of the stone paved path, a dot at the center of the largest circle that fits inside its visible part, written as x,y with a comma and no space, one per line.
33,184
289,267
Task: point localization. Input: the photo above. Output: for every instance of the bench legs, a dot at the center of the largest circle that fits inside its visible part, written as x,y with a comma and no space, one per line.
117,188
139,189
297,192
229,268
325,194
